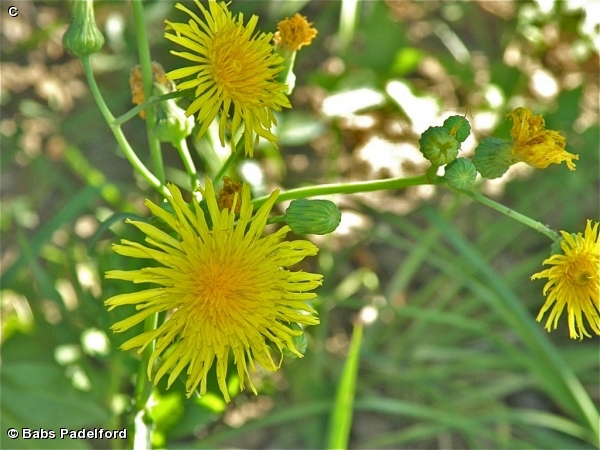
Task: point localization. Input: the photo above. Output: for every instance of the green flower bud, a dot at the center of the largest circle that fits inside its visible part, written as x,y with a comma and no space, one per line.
458,126
312,216
439,146
460,173
82,37
493,157
172,125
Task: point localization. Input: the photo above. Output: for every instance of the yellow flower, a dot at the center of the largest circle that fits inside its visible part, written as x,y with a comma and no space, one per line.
534,144
234,73
574,281
227,287
293,33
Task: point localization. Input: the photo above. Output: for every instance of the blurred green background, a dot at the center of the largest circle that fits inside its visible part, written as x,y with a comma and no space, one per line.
447,362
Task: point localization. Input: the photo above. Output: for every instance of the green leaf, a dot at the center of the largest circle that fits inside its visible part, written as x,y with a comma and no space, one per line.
341,416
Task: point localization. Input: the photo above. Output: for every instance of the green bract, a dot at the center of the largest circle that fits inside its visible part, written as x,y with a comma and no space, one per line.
460,173
299,342
172,125
458,126
83,37
312,216
493,157
439,146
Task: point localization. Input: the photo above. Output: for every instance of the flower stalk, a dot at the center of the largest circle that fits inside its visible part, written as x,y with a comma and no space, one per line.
118,133
146,64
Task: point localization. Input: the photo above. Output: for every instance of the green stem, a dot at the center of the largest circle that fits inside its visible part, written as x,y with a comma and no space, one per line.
118,133
235,155
143,389
276,219
147,104
184,153
538,226
348,188
146,64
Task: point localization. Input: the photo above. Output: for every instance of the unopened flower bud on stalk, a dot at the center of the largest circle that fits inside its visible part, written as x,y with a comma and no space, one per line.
83,37
458,126
460,173
172,125
313,216
439,146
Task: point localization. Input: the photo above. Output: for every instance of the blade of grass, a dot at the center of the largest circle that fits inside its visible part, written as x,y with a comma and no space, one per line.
341,416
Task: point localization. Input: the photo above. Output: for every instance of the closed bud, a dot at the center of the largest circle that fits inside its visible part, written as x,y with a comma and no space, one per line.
439,146
458,126
493,157
460,173
172,125
82,37
312,216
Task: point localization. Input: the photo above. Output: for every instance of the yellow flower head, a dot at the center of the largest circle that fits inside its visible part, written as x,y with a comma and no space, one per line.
294,32
534,144
234,73
227,287
574,281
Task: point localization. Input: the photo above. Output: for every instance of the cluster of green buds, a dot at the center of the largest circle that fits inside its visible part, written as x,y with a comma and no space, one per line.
441,145
531,143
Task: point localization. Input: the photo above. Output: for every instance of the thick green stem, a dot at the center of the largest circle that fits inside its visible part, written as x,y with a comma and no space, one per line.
348,188
146,64
190,168
538,226
118,133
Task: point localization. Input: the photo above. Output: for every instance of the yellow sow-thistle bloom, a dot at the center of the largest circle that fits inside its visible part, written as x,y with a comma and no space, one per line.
535,145
227,287
233,72
294,32
574,282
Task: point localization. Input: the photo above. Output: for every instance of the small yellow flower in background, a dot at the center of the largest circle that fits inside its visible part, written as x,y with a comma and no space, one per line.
574,282
232,72
136,84
228,289
293,33
534,144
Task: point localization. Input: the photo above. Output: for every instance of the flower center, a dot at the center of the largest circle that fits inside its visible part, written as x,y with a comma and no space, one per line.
581,271
229,65
227,281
